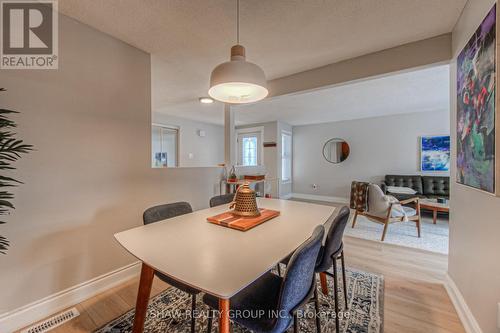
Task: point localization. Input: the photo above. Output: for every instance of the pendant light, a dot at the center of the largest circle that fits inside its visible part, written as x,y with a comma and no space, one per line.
238,81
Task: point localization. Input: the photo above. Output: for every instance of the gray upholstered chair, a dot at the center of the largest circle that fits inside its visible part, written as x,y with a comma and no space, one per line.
329,254
274,294
221,199
163,212
332,251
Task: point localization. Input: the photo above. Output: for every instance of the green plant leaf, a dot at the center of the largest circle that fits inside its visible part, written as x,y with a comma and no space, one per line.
11,150
4,243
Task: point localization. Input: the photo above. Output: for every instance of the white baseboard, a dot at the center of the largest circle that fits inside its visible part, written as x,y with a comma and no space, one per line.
463,311
33,312
325,198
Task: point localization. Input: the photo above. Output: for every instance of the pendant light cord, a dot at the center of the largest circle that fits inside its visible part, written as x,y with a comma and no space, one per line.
238,22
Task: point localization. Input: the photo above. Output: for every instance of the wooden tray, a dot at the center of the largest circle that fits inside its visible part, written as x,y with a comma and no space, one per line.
228,219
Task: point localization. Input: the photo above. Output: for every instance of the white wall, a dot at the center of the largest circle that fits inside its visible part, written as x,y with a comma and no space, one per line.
270,166
379,146
285,189
206,151
90,175
474,251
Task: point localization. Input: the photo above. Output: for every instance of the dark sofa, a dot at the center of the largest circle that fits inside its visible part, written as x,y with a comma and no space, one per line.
426,186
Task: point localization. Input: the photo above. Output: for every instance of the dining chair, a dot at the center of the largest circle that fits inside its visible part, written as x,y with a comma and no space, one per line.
332,251
283,296
160,213
221,199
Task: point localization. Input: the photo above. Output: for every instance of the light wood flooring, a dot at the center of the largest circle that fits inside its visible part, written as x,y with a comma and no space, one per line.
415,299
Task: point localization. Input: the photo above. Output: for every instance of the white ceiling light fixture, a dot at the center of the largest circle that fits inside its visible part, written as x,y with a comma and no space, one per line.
238,81
206,100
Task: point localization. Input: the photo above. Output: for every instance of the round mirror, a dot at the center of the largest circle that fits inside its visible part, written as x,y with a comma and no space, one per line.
336,150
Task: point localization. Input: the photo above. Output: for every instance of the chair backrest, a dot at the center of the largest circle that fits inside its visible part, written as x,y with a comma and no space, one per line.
166,211
359,196
221,199
334,238
299,277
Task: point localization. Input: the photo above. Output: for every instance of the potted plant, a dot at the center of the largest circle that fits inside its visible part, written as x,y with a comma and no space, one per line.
11,150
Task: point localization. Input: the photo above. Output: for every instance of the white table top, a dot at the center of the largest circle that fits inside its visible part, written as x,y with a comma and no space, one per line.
219,260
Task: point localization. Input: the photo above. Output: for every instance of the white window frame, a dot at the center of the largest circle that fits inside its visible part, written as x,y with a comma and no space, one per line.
259,130
177,148
286,181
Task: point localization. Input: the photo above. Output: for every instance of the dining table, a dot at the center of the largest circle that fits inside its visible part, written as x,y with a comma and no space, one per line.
214,259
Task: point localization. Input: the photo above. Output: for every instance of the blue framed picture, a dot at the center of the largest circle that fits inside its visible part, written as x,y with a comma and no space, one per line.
435,153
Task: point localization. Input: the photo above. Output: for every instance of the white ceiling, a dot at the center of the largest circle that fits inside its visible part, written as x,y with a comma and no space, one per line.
416,91
421,90
189,37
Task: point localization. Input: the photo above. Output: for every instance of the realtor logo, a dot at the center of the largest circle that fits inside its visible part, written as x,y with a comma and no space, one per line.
29,34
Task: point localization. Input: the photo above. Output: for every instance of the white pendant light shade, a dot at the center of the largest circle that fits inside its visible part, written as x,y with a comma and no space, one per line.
238,81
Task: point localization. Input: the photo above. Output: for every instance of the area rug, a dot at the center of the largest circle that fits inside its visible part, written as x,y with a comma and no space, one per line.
434,237
169,310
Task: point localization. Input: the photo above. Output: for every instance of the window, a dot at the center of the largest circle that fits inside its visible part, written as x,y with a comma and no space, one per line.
249,149
286,157
164,146
249,146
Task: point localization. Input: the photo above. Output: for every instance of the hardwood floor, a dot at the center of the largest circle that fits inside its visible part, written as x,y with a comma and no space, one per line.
415,299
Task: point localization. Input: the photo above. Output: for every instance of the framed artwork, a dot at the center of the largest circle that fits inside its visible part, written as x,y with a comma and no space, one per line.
476,109
435,153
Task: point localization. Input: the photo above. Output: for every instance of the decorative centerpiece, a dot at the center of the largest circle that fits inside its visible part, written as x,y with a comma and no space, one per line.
244,214
245,202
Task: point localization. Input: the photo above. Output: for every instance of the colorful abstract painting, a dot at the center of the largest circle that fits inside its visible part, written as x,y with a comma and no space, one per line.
476,108
435,153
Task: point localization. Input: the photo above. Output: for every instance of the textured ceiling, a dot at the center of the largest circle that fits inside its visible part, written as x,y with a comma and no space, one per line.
189,37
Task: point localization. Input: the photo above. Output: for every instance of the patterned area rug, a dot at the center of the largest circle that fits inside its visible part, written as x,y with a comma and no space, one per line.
169,311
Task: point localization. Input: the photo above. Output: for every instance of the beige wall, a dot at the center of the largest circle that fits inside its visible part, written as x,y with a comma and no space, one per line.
90,175
474,262
378,146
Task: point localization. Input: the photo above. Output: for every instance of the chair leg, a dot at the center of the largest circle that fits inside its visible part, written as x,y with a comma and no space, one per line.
335,293
316,308
344,280
354,219
193,310
209,325
386,225
295,323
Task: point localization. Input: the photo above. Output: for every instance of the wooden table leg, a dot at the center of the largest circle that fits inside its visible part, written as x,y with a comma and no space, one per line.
434,216
224,326
324,284
141,305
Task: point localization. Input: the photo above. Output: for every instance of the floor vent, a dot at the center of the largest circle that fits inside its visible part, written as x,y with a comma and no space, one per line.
52,322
